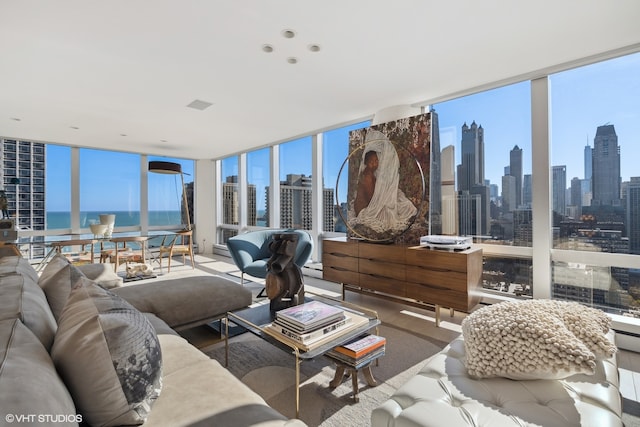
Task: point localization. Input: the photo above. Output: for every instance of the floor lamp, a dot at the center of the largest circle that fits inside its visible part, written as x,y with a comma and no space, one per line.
171,168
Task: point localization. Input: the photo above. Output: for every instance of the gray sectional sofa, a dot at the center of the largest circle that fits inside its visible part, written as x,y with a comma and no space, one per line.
74,353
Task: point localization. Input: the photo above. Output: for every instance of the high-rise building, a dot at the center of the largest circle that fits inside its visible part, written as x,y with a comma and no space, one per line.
475,211
296,204
559,186
23,180
435,178
522,227
588,162
633,214
231,202
527,191
471,170
515,170
509,193
606,179
576,196
449,199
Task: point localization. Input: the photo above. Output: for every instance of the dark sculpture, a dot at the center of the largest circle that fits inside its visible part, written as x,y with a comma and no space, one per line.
284,284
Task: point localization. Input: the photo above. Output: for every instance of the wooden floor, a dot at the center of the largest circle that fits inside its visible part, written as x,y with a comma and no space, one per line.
418,320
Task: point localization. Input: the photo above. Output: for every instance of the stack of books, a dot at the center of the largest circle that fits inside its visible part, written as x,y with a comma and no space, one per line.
312,324
359,351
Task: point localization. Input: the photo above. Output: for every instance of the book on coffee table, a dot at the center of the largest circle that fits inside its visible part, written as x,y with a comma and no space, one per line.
361,345
356,321
309,316
308,337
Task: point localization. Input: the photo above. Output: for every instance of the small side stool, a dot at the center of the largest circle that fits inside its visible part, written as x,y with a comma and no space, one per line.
352,370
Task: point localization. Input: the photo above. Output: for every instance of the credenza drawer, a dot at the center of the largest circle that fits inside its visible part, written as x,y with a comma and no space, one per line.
382,284
450,298
437,277
339,248
340,275
381,253
453,261
376,268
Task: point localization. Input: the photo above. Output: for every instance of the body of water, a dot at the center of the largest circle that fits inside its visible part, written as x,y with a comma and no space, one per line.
123,218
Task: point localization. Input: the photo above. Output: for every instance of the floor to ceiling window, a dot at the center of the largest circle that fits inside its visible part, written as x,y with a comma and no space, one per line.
596,183
485,154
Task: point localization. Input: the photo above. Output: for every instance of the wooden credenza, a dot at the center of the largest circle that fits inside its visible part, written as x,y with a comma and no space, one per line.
413,273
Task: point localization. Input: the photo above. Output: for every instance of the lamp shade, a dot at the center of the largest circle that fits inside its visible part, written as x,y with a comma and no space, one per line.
170,168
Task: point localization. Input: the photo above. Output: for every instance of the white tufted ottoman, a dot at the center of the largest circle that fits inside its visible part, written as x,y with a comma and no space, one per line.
442,394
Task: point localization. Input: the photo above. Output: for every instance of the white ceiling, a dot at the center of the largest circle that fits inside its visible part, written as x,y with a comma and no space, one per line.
130,67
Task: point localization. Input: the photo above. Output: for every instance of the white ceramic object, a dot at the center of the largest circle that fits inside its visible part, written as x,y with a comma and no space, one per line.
98,230
109,220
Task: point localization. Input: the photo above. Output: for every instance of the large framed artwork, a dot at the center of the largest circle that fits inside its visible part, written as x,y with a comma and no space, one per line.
388,181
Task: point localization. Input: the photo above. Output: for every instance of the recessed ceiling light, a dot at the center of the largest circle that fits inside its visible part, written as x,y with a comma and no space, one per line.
200,105
292,60
16,119
123,134
288,34
74,127
163,140
267,48
314,48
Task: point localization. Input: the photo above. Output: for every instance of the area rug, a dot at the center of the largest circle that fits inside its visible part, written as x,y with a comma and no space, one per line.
270,372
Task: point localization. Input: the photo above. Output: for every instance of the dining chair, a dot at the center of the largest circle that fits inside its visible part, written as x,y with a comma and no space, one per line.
180,244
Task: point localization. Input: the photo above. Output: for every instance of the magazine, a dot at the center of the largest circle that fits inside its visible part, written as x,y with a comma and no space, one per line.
311,315
361,345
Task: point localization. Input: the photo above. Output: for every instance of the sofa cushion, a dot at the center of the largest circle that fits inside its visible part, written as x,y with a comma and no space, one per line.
189,301
198,391
535,339
109,356
21,298
29,382
57,280
17,264
102,274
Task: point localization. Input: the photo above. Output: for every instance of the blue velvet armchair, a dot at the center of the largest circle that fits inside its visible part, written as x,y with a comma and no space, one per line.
250,251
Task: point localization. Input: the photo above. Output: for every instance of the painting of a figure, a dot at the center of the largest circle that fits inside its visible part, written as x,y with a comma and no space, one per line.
388,181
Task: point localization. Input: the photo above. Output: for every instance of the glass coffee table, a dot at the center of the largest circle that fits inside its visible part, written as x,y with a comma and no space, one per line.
254,319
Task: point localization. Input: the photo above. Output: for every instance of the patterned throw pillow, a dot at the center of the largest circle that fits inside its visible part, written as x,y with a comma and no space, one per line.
57,279
109,356
535,339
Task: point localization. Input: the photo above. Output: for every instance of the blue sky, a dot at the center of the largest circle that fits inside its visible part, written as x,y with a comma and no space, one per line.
581,100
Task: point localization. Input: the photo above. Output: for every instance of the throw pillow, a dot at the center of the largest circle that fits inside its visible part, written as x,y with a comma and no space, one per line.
102,274
29,383
109,356
57,279
21,298
535,339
